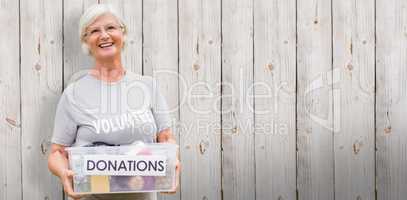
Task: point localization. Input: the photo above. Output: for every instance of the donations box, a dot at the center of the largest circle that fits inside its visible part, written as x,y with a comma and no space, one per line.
123,169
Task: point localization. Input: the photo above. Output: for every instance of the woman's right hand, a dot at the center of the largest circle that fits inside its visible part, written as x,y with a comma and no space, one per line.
58,165
66,179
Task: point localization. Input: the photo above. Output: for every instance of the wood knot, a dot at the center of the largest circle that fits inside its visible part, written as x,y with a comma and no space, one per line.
37,67
196,67
204,198
39,47
387,130
316,21
350,67
358,197
210,42
285,41
203,145
52,41
357,146
269,66
364,42
280,198
235,129
12,122
44,147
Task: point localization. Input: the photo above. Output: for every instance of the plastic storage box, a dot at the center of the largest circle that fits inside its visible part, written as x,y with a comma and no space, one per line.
123,169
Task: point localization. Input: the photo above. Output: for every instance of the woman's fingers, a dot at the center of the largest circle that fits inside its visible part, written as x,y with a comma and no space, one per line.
168,192
69,191
70,173
67,183
177,170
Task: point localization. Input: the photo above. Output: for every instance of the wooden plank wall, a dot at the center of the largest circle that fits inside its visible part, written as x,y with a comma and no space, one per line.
391,101
10,99
238,161
270,99
275,99
41,40
315,154
354,98
199,105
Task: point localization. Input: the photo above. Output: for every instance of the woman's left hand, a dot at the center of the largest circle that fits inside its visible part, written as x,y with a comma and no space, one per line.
177,172
165,136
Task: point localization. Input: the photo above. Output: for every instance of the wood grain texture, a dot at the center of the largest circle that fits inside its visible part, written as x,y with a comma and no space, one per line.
314,101
160,56
199,86
275,99
391,106
311,106
10,126
41,85
75,61
238,161
354,98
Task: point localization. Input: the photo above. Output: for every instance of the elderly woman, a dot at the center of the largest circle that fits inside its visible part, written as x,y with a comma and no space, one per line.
109,105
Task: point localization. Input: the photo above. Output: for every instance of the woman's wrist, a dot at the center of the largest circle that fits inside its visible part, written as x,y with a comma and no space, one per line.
58,164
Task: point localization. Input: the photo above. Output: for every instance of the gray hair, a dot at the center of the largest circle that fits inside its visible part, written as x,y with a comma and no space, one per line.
90,16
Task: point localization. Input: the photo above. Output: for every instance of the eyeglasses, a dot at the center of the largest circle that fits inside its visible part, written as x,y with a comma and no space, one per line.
97,31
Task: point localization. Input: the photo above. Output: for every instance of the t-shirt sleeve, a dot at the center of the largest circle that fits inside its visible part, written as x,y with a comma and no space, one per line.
160,108
64,132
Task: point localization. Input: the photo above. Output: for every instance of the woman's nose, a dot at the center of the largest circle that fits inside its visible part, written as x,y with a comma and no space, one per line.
104,34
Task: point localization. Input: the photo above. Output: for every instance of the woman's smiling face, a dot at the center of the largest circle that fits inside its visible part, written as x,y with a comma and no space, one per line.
104,37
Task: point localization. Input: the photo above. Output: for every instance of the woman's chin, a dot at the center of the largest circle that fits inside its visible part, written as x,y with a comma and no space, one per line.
106,54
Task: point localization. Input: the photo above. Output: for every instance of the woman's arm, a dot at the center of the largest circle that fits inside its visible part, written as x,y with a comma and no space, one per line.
58,165
57,160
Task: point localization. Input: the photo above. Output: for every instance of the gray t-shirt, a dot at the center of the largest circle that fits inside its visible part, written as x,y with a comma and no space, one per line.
118,113
122,112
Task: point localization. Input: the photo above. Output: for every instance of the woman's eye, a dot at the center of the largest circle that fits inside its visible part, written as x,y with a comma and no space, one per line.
94,31
111,28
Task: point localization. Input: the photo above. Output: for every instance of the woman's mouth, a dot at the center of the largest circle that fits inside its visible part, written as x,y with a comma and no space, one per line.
105,45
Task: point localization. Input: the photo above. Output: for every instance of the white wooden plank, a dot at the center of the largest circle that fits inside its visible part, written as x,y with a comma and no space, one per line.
391,106
353,61
41,83
160,55
74,59
237,104
10,130
314,101
200,70
275,99
131,11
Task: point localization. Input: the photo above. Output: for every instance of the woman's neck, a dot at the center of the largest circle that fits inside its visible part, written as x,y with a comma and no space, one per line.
108,70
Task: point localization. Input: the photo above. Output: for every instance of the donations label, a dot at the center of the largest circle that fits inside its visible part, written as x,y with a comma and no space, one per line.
125,165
